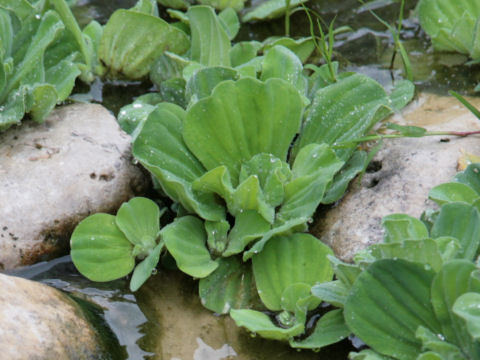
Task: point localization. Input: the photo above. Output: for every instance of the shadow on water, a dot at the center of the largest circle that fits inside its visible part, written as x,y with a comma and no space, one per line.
164,320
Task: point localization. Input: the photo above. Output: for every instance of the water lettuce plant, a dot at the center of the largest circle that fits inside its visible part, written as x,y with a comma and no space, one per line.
452,25
42,52
416,295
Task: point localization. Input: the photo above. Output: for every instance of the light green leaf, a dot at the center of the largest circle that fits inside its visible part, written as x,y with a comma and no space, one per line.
241,119
386,305
259,323
461,221
336,189
229,19
237,5
249,226
249,196
131,117
437,344
41,99
167,66
280,62
402,94
313,169
62,76
330,328
244,51
409,131
231,286
302,47
298,293
467,306
333,292
422,251
173,91
343,111
217,232
100,251
270,9
369,355
400,227
132,41
139,220
185,240
202,83
160,148
145,268
346,273
449,284
210,42
287,260
470,177
453,192
175,4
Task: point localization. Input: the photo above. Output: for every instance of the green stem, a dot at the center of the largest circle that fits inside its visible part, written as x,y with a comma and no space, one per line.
287,19
344,144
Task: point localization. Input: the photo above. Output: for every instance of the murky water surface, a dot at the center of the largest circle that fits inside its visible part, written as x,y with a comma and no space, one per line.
165,320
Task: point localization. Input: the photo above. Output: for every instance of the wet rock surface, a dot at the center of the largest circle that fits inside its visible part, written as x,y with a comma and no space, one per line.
38,322
401,175
54,174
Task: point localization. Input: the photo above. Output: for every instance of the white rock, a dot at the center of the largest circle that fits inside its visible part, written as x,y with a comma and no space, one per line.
40,322
406,171
54,174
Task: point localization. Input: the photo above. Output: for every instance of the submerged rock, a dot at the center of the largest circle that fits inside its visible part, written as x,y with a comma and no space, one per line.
54,174
38,322
401,175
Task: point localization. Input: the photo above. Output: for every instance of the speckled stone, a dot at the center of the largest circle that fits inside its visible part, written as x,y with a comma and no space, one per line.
402,174
54,174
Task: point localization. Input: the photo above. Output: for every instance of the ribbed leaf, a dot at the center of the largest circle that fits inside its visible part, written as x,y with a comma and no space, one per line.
132,41
386,305
160,148
231,286
453,192
241,119
270,9
287,260
249,226
470,177
467,306
145,268
400,227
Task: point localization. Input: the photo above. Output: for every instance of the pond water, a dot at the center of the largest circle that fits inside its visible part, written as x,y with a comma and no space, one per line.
164,319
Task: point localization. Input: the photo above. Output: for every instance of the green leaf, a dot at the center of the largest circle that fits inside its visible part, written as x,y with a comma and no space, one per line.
160,148
62,76
423,251
302,47
467,306
173,91
167,66
202,83
386,305
399,227
210,42
217,232
100,251
145,268
461,221
437,344
336,189
313,169
185,240
370,355
241,119
270,9
280,62
231,286
132,41
229,19
175,4
139,220
453,192
343,111
244,51
449,284
333,292
346,273
249,196
259,323
402,94
249,226
236,5
40,101
287,260
330,328
470,177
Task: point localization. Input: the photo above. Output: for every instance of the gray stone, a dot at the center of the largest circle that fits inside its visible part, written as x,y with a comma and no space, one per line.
38,322
402,174
54,174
